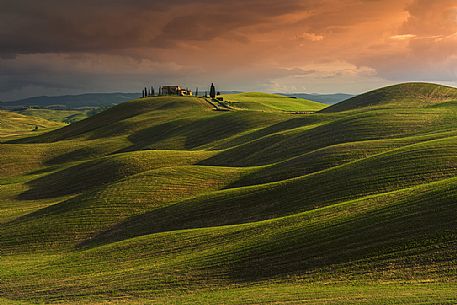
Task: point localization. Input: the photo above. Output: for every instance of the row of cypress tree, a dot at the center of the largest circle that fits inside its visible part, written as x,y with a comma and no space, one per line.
147,93
151,92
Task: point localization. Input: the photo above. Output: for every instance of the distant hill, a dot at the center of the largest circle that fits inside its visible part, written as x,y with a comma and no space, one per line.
59,115
94,100
14,124
402,95
231,92
328,99
72,101
270,102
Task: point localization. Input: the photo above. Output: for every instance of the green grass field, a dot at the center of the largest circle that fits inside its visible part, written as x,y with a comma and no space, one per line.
14,124
64,116
164,200
270,102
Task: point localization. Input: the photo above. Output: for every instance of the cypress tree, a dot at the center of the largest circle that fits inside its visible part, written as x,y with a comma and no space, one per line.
152,91
212,91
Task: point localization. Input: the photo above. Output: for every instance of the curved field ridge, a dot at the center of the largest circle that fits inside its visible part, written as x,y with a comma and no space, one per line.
403,95
271,102
14,124
165,200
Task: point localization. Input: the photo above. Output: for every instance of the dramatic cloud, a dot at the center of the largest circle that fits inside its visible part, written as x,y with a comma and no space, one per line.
60,46
50,26
425,46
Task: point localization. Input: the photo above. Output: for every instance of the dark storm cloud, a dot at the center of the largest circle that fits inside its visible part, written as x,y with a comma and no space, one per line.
224,19
58,46
52,26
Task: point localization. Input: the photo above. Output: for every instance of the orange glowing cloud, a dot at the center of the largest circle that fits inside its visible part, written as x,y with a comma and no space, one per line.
294,45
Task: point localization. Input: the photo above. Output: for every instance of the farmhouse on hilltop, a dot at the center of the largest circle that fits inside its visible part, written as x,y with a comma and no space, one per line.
175,90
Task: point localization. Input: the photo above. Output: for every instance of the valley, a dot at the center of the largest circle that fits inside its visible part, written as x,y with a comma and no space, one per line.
280,200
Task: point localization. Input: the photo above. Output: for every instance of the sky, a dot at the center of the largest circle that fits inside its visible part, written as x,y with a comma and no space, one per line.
55,47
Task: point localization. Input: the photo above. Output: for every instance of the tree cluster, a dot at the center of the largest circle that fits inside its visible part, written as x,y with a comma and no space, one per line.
148,93
151,92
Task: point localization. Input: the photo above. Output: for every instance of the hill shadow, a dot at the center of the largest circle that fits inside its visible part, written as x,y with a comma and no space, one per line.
194,133
373,125
376,234
72,180
100,125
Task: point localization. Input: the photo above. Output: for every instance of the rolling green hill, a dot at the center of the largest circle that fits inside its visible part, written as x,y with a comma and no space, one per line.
328,99
404,95
13,124
65,116
271,102
164,200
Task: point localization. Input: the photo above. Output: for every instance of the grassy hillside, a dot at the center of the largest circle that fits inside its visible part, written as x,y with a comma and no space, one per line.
65,116
13,124
271,102
165,200
404,95
328,99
